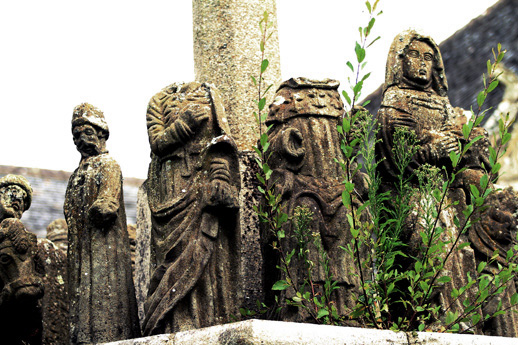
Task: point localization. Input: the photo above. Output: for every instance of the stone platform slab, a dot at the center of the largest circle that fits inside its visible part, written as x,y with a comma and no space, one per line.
261,332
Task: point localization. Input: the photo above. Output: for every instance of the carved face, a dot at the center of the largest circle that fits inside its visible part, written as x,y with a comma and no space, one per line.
12,202
418,63
87,140
18,273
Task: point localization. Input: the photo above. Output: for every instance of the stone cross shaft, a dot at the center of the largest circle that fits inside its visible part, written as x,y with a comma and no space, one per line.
226,53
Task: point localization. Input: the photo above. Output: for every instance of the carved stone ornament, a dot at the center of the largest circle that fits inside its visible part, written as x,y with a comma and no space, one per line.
304,143
193,185
100,284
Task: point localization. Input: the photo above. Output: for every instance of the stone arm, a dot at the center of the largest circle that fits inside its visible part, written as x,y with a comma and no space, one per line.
166,137
435,144
104,209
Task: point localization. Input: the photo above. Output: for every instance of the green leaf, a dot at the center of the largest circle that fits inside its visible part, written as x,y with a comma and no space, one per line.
444,279
262,103
463,245
377,38
360,52
254,80
454,159
481,266
368,6
357,88
366,103
322,313
466,129
350,65
481,98
280,285
264,65
421,327
478,120
346,198
492,86
450,317
484,180
506,138
346,96
474,190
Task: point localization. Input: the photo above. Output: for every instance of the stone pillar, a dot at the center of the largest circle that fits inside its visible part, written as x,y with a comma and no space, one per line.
226,53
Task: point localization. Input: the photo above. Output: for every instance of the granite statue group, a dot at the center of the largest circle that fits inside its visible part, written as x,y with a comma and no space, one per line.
193,188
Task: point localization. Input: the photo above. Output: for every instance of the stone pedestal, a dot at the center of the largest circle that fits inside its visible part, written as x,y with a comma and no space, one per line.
261,332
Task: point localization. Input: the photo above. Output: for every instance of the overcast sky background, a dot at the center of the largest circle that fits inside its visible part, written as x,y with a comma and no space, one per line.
115,55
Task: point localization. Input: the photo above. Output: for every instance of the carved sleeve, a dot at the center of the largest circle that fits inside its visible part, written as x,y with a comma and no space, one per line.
109,179
163,138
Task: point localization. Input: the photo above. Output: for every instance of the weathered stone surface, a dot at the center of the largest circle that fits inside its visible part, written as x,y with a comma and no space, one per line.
226,52
192,189
496,231
29,270
21,283
57,233
261,332
251,258
132,235
143,262
304,144
55,300
100,284
415,98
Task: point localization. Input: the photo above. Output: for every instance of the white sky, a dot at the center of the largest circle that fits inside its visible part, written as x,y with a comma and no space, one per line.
116,54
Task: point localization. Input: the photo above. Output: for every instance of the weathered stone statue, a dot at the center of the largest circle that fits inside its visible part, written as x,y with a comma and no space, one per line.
33,303
57,232
304,145
100,284
415,98
20,274
192,186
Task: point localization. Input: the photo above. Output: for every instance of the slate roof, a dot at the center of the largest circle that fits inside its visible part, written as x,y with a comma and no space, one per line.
49,188
465,54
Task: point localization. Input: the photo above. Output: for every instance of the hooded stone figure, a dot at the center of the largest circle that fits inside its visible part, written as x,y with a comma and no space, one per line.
193,185
100,285
304,144
415,98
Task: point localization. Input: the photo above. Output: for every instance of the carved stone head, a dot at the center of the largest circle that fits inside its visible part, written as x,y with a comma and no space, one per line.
15,196
57,232
90,130
415,62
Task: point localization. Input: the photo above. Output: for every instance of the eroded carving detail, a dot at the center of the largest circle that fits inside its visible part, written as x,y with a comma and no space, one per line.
193,186
100,284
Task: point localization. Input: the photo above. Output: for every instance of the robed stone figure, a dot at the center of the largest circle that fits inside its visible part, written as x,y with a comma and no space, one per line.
303,152
192,187
102,296
415,98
